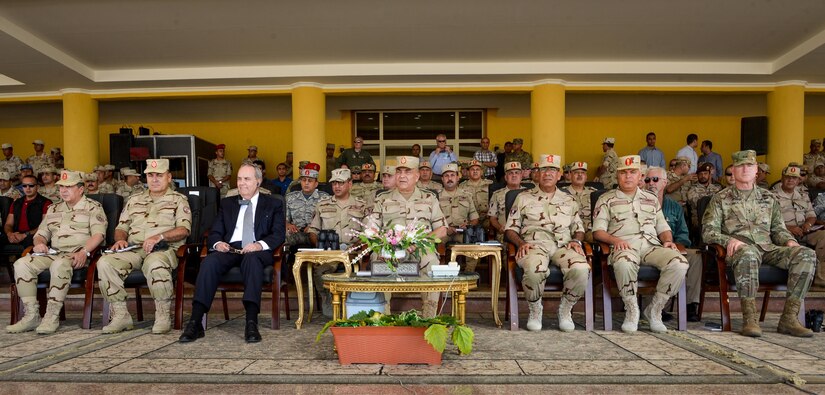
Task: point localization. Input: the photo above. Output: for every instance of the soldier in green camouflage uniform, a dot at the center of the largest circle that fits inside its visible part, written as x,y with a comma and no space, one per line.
49,189
497,211
132,186
679,181
408,203
458,208
519,155
355,156
479,189
704,186
6,189
40,159
73,228
300,206
747,220
581,194
338,213
606,173
368,186
155,216
632,222
10,163
544,224
220,170
426,180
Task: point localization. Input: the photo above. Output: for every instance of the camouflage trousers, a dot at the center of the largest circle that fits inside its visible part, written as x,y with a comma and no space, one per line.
798,261
157,267
297,239
671,264
28,267
224,189
469,263
536,263
816,240
693,281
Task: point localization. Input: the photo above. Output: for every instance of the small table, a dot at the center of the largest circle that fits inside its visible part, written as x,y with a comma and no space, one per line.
458,286
478,251
314,258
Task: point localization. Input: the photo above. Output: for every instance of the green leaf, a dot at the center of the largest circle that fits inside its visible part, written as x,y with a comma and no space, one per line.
324,329
436,335
463,339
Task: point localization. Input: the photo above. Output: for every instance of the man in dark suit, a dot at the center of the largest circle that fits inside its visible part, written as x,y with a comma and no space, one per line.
238,239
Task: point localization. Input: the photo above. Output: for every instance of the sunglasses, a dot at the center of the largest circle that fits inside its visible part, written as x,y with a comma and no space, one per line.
728,174
28,185
649,179
441,141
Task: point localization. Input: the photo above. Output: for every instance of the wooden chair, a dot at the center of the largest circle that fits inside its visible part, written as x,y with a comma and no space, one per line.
555,279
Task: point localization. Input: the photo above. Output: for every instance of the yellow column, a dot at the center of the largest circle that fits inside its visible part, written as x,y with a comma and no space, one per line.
308,121
547,118
80,132
786,127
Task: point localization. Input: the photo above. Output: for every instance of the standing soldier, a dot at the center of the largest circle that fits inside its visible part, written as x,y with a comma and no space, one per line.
331,160
131,185
407,203
458,208
57,157
478,187
49,189
10,162
355,156
426,180
747,221
367,186
679,181
631,221
338,213
220,170
518,154
251,156
704,186
810,158
610,162
73,228
545,226
300,206
158,221
581,194
40,159
497,212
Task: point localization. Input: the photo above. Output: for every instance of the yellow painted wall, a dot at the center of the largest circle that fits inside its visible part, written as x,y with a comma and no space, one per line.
503,129
814,129
21,138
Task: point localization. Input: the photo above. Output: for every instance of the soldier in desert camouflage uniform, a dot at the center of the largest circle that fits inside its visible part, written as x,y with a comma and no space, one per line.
544,224
103,185
519,155
220,170
74,228
252,155
606,173
478,188
132,185
704,186
581,194
50,190
10,163
91,182
368,186
40,159
747,220
6,189
497,212
155,216
631,221
458,208
679,181
426,180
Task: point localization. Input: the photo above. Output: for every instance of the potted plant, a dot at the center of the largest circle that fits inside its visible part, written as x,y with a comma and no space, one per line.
394,244
372,337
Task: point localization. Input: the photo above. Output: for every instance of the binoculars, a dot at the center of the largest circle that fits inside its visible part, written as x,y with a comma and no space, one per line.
474,234
329,240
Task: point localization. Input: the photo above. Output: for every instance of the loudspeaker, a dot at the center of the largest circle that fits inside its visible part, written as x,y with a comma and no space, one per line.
143,131
119,145
754,135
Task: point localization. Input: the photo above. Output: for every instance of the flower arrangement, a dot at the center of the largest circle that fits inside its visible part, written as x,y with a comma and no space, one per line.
394,243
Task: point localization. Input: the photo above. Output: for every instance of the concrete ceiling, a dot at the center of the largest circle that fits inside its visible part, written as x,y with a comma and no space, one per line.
49,45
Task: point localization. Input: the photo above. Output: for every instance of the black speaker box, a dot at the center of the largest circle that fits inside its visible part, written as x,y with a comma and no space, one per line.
119,145
754,135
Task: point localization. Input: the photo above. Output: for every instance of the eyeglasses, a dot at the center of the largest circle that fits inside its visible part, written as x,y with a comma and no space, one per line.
649,179
728,174
28,185
441,141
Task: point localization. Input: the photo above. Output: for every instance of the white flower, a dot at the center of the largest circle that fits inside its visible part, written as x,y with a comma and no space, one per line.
398,227
370,233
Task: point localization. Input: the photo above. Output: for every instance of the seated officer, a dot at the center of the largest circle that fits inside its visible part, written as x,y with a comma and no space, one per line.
458,208
497,214
630,220
581,194
158,222
426,180
477,186
704,186
338,213
49,190
132,185
25,215
73,228
92,187
300,206
367,186
544,224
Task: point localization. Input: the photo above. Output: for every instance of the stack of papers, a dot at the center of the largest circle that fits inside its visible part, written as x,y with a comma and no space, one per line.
444,271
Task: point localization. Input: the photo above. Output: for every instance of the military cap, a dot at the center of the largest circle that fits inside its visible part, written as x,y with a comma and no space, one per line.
289,153
704,167
156,166
449,167
26,167
356,169
744,157
311,170
512,166
302,164
4,175
368,167
426,164
578,166
609,140
389,169
70,178
474,163
89,177
109,167
99,168
765,167
55,149
340,175
409,162
38,141
815,142
630,162
330,146
126,171
683,159
566,168
7,146
792,171
535,166
48,169
252,148
518,141
220,146
549,161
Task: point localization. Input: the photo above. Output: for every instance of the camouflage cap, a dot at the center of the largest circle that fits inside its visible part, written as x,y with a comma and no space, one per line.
409,162
389,169
99,168
109,167
449,167
424,164
70,178
765,167
156,166
252,148
512,166
815,142
474,163
126,171
90,177
792,171
368,167
38,142
340,175
683,159
630,162
549,161
48,169
7,146
609,140
356,169
4,175
747,157
578,166
566,168
303,164
55,150
518,141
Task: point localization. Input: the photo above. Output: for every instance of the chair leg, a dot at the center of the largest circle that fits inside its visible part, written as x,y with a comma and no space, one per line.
512,297
765,301
701,301
724,302
682,300
179,309
88,305
139,304
285,292
276,303
225,306
607,302
588,304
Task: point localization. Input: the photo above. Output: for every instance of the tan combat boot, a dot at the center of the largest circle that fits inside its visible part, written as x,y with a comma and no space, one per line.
631,314
653,313
31,318
565,317
789,322
51,320
121,319
536,312
750,324
162,322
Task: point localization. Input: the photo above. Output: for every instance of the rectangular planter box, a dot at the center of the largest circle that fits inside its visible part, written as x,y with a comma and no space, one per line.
389,345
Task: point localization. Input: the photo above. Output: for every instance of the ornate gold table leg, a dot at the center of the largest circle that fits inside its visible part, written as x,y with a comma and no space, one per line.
336,304
461,306
310,291
496,285
344,305
296,273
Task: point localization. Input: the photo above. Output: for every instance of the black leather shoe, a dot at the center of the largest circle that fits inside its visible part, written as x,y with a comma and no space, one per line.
817,316
192,332
666,316
693,312
251,333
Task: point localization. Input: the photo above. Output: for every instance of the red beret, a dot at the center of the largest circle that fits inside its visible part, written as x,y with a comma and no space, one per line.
220,146
313,166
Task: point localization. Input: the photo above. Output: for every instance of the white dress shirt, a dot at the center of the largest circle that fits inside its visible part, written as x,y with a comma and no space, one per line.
689,152
237,235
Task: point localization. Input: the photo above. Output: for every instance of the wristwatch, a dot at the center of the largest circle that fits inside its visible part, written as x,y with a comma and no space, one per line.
88,254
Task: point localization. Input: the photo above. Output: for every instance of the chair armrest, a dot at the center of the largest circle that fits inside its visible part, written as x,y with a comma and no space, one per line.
278,252
681,248
717,250
588,250
27,251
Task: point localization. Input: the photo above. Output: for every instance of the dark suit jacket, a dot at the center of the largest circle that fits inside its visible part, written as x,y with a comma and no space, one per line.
270,221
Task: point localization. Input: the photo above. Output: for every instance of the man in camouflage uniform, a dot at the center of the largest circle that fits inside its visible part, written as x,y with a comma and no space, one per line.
57,157
426,180
74,228
355,156
799,216
810,158
49,189
109,173
545,226
220,170
301,165
630,220
479,188
458,208
679,181
704,186
519,154
91,182
407,203
5,186
300,206
817,180
132,185
581,194
158,220
251,156
763,169
10,163
367,186
610,162
748,221
331,160
497,211
338,213
40,159
103,185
